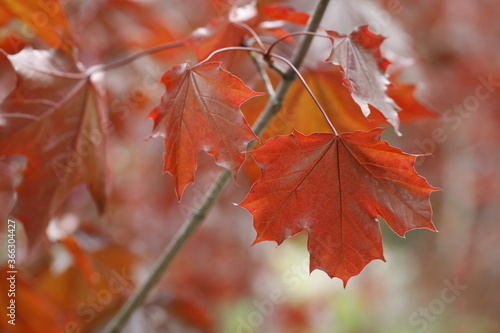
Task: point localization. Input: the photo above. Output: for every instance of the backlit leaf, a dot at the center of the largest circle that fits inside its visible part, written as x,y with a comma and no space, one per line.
335,187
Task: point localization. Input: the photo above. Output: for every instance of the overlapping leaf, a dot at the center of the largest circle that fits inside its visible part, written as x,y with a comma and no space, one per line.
325,82
363,66
200,111
335,187
404,95
221,32
229,29
51,115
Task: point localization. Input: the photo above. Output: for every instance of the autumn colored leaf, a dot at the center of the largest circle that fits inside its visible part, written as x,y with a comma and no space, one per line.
200,111
280,15
404,95
80,257
335,187
12,43
4,17
45,18
286,13
325,82
52,116
363,66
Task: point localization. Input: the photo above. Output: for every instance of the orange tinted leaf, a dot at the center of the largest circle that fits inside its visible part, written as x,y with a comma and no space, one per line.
286,13
360,59
200,111
326,84
80,257
4,17
53,117
404,96
335,187
12,42
34,313
45,18
188,310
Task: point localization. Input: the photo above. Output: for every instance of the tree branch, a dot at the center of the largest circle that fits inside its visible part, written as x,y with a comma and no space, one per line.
263,74
190,225
274,105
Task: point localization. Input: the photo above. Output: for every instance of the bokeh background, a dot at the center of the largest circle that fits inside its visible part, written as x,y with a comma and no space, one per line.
432,282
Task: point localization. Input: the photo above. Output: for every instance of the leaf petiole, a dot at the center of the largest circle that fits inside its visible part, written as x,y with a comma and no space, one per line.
269,55
304,83
253,33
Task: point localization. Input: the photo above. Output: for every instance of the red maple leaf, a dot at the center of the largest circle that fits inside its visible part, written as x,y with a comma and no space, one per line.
200,111
52,115
360,59
335,187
